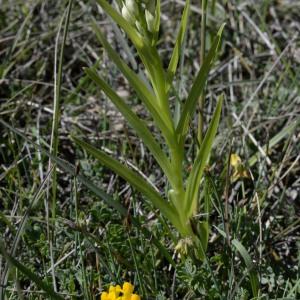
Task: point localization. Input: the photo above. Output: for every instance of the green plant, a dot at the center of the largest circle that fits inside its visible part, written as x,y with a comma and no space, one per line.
141,22
251,207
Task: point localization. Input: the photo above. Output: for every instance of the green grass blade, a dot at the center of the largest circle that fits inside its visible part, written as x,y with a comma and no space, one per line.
250,266
177,49
120,208
132,178
65,166
254,279
29,274
275,140
203,228
55,126
57,100
292,293
18,234
137,124
197,88
192,190
145,95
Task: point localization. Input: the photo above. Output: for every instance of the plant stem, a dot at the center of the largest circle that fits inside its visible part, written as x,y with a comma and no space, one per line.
202,57
179,194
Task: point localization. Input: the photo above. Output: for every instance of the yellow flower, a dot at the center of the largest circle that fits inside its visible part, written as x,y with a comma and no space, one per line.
112,296
239,171
104,296
183,246
118,293
127,288
235,160
115,290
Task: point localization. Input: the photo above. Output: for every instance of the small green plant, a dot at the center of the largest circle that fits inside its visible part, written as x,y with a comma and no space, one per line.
140,20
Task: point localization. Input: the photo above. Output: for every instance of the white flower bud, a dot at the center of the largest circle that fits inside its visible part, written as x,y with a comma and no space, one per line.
132,7
138,26
127,15
150,20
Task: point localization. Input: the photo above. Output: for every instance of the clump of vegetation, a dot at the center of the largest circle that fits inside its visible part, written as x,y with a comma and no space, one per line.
202,204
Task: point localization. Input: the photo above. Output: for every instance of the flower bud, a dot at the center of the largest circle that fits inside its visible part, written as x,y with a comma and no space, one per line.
127,15
149,20
132,7
139,26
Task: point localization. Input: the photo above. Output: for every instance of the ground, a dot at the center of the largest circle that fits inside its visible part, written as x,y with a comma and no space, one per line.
86,237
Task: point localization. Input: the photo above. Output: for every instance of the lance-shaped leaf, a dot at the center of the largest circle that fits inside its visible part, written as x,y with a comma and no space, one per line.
137,124
253,275
148,55
197,88
134,179
157,75
126,26
157,20
145,95
177,48
195,176
250,266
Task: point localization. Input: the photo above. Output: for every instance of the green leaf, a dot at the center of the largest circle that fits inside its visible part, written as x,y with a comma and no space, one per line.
177,48
197,88
134,80
203,228
129,29
28,273
137,124
145,95
250,266
145,51
148,55
194,180
132,178
254,279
